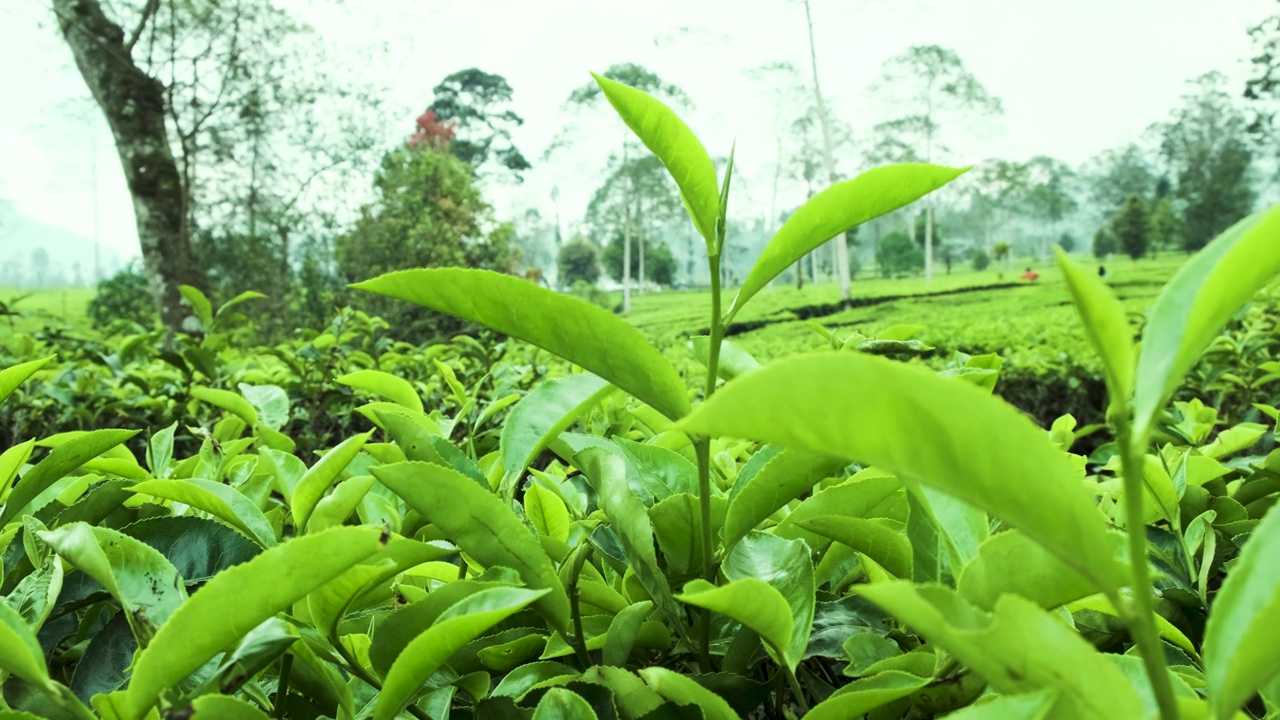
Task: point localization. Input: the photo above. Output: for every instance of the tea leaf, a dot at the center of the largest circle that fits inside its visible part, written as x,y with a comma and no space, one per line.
685,691
577,331
667,136
876,538
734,361
60,461
145,583
238,600
14,375
1242,638
861,696
479,523
396,389
623,631
787,566
752,602
1031,706
313,484
457,626
1011,562
20,652
562,704
229,401
200,304
548,410
547,512
225,707
784,477
221,501
1196,303
608,475
928,429
835,210
1019,648
1105,323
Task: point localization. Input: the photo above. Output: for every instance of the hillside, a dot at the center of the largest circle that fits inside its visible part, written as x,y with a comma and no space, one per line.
25,241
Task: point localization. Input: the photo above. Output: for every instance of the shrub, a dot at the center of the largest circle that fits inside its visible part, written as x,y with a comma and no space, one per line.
123,298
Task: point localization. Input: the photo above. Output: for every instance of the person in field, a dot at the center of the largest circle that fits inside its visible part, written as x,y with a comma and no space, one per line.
1030,275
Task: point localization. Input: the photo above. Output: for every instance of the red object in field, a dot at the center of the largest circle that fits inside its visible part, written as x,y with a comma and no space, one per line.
1029,275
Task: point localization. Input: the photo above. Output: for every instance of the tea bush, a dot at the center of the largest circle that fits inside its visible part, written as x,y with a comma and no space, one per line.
831,535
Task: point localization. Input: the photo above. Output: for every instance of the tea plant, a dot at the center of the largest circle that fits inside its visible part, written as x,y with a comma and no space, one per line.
900,543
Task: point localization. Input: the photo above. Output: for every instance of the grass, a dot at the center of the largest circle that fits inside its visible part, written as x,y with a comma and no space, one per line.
37,308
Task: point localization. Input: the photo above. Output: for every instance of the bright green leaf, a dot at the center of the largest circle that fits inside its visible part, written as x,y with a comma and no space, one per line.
396,389
668,137
589,336
480,524
835,210
927,429
313,484
1105,323
13,376
60,461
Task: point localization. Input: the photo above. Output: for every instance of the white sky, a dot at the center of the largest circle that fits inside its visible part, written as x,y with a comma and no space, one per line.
1075,78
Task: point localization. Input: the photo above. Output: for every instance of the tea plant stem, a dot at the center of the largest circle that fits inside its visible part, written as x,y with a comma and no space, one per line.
796,690
282,688
702,448
1141,623
579,640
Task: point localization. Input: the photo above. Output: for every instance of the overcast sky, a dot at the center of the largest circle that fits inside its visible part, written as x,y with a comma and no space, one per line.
1075,78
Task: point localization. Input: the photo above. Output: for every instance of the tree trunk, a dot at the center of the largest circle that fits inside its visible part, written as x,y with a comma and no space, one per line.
626,242
134,105
841,249
928,243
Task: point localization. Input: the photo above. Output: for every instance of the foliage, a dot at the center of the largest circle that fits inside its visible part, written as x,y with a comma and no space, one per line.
1104,243
123,298
832,535
428,213
1131,227
579,262
981,260
898,255
473,103
1067,242
659,263
1207,146
1164,225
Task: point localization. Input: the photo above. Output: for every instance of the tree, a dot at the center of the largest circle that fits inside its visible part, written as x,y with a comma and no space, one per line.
981,260
428,213
934,88
1104,243
1206,144
1164,225
590,95
1114,175
39,267
135,105
1000,251
224,120
1131,227
1067,242
579,261
1050,195
659,269
898,255
476,103
636,200
841,250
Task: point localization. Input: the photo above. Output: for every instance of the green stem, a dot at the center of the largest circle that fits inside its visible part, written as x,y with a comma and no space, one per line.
579,640
796,690
282,688
702,447
1142,624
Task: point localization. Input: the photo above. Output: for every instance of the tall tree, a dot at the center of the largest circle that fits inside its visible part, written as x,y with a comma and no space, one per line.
1131,227
589,95
1207,147
478,104
933,89
1164,225
828,149
1113,175
1050,196
136,106
226,126
637,199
